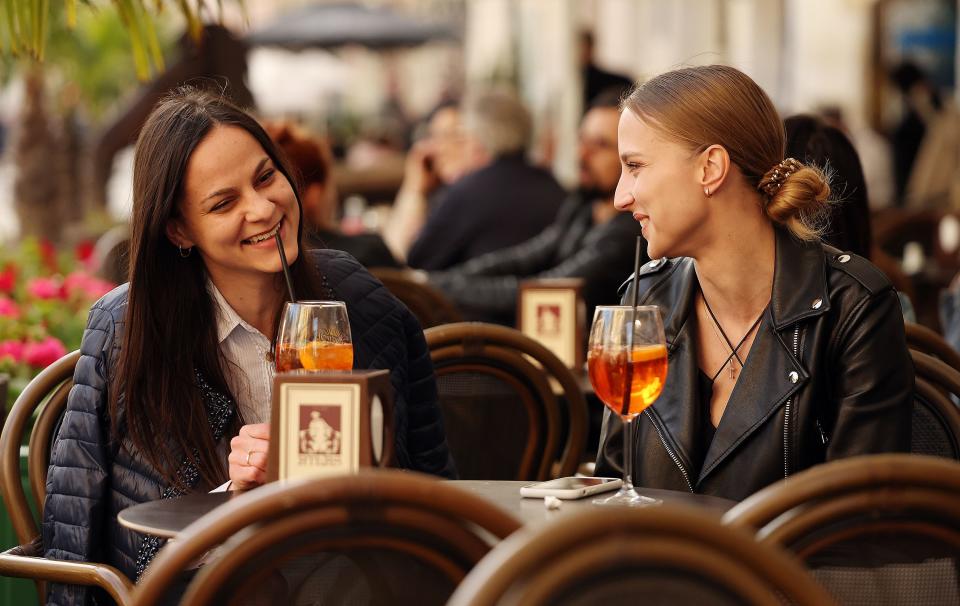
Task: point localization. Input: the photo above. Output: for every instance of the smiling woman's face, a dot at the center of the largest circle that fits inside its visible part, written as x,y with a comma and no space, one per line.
234,201
659,186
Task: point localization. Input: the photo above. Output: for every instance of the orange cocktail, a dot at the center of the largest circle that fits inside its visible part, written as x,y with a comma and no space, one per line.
320,355
314,336
610,370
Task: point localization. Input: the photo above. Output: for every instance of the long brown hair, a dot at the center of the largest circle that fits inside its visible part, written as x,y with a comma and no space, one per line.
720,105
155,405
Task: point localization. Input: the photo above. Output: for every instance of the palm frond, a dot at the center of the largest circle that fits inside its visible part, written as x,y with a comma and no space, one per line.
24,25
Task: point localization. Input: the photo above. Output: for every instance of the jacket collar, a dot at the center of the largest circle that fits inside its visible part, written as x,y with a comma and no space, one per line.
799,280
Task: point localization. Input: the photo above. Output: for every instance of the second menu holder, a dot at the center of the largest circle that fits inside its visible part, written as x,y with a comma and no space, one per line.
553,313
330,423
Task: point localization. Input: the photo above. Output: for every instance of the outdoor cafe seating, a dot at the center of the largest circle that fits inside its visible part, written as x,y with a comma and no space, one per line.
379,535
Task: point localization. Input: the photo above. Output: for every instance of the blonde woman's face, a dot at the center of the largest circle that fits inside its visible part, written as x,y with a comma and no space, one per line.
659,186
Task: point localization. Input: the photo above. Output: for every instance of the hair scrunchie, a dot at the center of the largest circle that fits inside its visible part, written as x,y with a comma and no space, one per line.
776,176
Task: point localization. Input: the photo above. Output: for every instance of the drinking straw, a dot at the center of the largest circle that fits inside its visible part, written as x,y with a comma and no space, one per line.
286,268
628,378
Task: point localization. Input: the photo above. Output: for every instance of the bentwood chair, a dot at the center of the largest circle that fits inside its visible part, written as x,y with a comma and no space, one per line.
936,416
44,400
880,529
502,417
383,536
653,555
924,340
428,304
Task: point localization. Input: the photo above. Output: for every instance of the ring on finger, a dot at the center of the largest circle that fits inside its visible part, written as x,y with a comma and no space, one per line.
249,454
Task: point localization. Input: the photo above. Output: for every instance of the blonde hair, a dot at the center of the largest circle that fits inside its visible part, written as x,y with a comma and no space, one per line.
717,104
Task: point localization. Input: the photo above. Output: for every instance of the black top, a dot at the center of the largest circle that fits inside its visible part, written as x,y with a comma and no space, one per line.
707,430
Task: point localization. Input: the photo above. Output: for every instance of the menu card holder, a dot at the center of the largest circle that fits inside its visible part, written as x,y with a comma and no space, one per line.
330,423
553,313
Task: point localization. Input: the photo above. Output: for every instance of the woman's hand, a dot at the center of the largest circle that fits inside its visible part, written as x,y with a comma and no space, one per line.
248,456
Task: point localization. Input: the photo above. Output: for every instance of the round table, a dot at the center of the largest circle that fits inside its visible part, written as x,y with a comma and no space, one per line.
167,517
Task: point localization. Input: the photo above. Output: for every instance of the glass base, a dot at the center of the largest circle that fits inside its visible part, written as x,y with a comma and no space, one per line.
626,497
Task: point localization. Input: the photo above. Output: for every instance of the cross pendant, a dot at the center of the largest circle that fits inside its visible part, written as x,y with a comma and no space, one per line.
733,371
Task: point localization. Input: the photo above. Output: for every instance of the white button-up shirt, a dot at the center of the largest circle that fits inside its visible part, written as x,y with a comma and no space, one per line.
249,371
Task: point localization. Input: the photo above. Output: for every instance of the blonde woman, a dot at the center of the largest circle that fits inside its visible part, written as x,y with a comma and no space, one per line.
784,352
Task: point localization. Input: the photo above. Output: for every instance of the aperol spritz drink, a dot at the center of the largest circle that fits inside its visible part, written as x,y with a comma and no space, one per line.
314,336
627,364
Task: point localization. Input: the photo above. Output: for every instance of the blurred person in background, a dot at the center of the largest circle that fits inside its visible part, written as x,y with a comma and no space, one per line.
783,352
847,225
588,240
441,157
312,162
597,81
921,102
503,202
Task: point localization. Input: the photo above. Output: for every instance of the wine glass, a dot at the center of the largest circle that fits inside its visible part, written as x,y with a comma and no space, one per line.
627,362
314,336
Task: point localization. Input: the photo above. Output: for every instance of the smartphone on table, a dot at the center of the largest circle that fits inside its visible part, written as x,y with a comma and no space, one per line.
570,488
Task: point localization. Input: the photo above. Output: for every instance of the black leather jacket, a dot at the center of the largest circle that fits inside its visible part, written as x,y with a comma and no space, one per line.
828,376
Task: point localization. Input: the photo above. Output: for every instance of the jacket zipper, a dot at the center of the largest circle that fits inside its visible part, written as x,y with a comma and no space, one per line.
786,415
673,455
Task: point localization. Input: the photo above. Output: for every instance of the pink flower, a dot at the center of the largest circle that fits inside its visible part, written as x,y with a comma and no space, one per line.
8,309
44,353
45,288
8,278
12,349
84,285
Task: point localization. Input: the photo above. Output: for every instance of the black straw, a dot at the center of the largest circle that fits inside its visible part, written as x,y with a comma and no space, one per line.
628,378
636,274
286,268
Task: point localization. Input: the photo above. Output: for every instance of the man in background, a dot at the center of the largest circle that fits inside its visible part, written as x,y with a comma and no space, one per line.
502,203
588,240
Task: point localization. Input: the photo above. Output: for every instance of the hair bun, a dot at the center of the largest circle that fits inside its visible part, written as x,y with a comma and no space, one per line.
797,196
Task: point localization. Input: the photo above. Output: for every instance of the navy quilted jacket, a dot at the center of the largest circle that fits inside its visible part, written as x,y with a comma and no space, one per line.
90,480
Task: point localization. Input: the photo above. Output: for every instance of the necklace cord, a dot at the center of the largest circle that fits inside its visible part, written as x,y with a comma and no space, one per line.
734,350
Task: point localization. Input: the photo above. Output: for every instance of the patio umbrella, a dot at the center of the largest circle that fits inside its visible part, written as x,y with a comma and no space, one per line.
327,25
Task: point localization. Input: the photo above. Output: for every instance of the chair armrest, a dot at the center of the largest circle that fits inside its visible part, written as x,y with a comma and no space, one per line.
24,561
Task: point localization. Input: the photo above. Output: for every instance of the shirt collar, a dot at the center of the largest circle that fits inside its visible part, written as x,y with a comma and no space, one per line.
227,318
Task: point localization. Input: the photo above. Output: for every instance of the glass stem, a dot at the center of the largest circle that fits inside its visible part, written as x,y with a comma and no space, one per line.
627,453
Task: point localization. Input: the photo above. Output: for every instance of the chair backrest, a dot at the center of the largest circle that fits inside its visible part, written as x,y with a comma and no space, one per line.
48,389
381,532
924,340
634,556
428,304
4,381
501,415
873,529
936,415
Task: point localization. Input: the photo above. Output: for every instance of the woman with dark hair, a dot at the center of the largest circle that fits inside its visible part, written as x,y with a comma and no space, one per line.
816,143
847,226
172,391
783,351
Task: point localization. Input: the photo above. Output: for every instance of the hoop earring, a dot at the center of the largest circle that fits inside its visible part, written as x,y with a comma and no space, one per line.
706,191
189,250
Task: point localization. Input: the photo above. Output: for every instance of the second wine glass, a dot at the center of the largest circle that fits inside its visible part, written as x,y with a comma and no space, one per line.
314,336
627,363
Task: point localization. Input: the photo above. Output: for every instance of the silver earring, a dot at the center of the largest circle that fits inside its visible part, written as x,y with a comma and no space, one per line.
189,250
